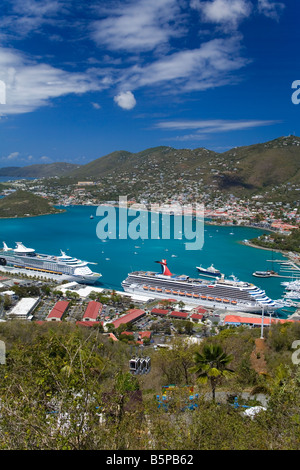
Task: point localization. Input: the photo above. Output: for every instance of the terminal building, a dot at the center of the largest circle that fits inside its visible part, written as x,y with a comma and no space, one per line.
23,309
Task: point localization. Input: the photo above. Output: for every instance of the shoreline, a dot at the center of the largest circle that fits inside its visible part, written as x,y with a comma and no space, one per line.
31,216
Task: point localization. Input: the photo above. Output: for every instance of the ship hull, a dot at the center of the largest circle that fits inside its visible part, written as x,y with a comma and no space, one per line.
225,296
208,273
47,266
203,303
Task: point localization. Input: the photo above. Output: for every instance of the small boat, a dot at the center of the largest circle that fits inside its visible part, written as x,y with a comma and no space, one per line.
91,216
264,273
211,271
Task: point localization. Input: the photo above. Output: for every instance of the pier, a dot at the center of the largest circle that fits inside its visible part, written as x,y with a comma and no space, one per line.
287,267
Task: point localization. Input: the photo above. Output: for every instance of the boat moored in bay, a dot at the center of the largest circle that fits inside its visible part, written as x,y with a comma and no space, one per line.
64,266
220,293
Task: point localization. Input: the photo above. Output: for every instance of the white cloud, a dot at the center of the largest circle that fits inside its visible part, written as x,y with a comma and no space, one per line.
27,16
13,156
30,85
270,9
229,12
45,159
198,69
125,100
96,105
138,25
212,126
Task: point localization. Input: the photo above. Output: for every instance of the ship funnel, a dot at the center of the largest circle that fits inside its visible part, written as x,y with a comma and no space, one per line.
165,269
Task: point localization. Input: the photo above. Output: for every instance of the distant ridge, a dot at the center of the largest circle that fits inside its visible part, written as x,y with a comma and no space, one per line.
165,171
39,170
257,166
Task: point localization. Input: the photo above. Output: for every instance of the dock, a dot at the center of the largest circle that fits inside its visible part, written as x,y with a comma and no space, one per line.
287,267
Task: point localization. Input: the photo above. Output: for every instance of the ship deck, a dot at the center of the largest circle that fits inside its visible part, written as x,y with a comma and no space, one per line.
190,286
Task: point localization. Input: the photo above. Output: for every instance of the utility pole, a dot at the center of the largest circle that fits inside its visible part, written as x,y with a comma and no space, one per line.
262,323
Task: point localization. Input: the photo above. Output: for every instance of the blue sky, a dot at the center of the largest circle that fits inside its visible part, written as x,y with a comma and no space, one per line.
82,79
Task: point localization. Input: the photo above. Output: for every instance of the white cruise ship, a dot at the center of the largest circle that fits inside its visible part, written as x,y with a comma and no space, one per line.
64,266
216,294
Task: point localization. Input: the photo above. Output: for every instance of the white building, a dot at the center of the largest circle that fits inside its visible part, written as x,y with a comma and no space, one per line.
23,309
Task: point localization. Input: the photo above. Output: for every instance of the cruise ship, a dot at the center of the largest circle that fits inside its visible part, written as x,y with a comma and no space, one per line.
221,293
64,266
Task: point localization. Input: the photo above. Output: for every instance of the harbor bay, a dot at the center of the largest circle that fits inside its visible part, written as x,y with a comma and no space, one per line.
75,232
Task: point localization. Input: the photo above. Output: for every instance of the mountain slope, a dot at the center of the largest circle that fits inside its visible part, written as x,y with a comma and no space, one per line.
24,203
263,165
162,173
154,160
39,170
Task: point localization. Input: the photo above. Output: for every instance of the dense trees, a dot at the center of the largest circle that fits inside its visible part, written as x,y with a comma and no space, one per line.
279,241
69,387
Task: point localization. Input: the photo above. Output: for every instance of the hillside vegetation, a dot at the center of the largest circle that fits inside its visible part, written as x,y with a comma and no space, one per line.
24,203
65,387
270,169
255,166
39,170
278,241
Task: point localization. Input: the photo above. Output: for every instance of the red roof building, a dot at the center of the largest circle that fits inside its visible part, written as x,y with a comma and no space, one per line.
92,311
113,337
196,317
58,311
159,311
200,310
133,315
182,315
254,321
144,334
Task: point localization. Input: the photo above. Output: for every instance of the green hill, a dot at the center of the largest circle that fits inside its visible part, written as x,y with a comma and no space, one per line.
165,170
271,169
254,166
162,159
39,171
24,204
263,165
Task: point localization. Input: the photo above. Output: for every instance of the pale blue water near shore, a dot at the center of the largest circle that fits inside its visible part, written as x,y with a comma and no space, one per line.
74,232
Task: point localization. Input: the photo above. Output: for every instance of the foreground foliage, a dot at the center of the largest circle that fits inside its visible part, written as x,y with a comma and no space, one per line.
65,387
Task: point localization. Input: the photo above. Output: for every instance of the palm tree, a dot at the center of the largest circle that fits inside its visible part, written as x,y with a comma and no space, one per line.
211,365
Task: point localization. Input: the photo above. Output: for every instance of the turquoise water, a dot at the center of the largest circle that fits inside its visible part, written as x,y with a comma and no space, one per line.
74,232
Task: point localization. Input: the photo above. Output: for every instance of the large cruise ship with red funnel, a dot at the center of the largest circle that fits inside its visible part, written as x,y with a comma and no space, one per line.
224,294
63,266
